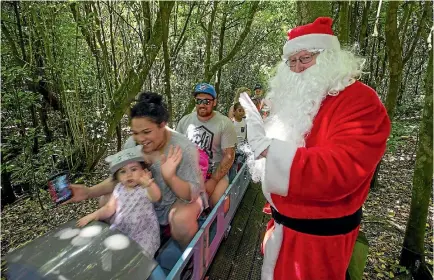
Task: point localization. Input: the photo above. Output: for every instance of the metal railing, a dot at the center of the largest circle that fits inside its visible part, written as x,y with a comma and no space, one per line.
201,248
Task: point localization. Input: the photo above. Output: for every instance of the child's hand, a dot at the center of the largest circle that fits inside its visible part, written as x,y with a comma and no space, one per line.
85,220
146,178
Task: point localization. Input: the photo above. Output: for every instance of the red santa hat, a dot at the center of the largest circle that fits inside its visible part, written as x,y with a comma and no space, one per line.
316,35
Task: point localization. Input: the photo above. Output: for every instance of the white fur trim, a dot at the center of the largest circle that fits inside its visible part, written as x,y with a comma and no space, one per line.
268,196
278,167
271,252
311,41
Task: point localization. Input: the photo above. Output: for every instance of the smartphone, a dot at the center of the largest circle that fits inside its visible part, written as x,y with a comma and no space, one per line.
58,187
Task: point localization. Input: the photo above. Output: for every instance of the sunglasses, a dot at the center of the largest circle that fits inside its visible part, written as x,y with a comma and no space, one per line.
203,101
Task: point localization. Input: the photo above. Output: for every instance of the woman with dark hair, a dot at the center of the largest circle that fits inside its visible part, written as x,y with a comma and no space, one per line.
174,165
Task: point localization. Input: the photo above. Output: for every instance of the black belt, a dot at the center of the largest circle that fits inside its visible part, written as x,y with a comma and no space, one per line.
322,227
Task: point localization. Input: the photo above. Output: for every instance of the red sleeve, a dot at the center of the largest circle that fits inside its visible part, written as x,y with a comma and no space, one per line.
345,156
355,142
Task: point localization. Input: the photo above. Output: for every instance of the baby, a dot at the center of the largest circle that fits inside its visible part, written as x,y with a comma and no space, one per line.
131,202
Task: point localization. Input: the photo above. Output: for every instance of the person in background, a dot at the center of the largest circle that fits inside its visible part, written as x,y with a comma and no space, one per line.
262,104
131,202
238,91
240,123
258,92
213,133
241,130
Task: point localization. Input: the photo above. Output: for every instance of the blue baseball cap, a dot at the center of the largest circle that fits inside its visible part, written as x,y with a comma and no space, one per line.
204,88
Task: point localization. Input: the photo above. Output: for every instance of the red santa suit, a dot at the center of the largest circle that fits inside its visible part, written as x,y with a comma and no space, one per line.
328,178
316,191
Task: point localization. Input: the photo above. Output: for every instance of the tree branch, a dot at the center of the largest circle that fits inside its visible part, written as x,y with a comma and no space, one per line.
209,40
77,17
178,45
239,42
408,10
11,42
410,51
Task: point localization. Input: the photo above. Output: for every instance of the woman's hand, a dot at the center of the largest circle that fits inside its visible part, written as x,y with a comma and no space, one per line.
86,219
79,193
146,178
170,163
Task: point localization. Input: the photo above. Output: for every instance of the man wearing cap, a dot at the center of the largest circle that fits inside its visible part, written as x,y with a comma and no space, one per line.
215,134
261,103
259,93
315,154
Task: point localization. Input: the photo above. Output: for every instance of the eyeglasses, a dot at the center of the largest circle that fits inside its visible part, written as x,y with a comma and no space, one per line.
303,59
203,101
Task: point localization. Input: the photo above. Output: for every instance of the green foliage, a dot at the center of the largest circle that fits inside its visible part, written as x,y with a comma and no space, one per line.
401,129
70,69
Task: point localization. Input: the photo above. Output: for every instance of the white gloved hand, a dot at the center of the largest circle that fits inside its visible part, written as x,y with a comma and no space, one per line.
255,126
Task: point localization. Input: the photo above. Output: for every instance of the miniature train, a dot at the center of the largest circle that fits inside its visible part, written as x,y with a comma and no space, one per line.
96,252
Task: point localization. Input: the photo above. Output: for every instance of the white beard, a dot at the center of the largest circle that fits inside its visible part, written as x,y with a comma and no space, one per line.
296,98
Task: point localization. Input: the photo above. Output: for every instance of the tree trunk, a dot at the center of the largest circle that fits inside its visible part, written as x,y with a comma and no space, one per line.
408,10
412,254
35,147
7,192
119,137
112,44
374,181
165,18
421,25
363,36
106,69
308,11
404,83
44,120
416,90
343,23
354,14
147,21
394,50
371,77
209,31
221,47
20,31
182,38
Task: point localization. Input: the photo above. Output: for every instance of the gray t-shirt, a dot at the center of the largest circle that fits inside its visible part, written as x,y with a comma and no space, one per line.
188,170
212,136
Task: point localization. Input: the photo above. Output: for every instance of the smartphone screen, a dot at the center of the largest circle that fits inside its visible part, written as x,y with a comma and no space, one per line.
59,188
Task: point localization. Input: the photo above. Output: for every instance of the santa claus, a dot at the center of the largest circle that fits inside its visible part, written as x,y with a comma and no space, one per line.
315,154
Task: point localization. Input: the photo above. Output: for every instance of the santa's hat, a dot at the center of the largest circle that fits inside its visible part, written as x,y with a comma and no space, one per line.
316,35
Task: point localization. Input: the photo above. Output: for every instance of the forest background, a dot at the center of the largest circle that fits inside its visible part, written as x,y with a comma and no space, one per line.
71,70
